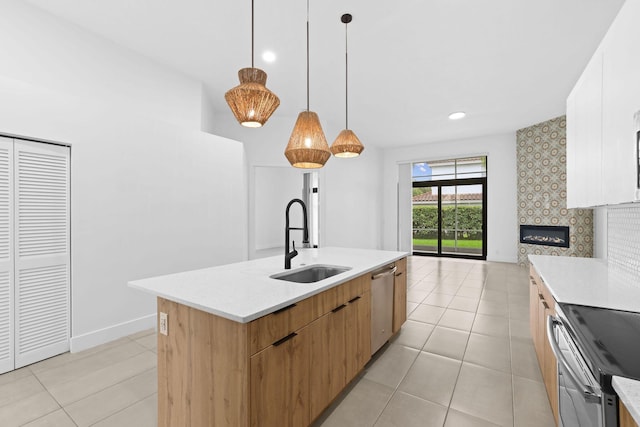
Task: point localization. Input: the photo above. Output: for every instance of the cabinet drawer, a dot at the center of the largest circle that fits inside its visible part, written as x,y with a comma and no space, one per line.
341,294
268,329
533,275
542,288
401,266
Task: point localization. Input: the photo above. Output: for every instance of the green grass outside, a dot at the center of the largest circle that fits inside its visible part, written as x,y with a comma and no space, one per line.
476,244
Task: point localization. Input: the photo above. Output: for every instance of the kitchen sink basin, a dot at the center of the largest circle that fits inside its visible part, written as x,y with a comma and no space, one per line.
311,274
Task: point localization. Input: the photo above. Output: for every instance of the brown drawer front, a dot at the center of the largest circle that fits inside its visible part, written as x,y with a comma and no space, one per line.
401,266
341,294
542,288
270,328
533,274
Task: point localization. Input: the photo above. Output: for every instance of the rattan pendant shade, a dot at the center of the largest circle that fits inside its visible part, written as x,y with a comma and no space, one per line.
347,144
251,102
307,147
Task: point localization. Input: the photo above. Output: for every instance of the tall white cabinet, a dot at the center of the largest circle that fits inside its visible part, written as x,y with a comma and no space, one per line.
34,252
602,153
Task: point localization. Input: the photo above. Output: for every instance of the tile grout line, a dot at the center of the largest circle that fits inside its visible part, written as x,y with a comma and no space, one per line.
60,406
462,361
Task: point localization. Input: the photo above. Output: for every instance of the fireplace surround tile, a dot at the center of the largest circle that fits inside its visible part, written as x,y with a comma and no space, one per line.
542,190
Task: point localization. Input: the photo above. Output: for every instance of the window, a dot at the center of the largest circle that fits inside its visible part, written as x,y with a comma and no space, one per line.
449,207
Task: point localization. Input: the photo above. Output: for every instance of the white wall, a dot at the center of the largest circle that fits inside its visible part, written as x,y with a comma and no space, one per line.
42,50
272,187
350,189
150,193
501,187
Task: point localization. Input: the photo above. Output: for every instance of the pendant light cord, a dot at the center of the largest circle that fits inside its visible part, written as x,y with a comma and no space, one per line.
346,77
307,55
252,34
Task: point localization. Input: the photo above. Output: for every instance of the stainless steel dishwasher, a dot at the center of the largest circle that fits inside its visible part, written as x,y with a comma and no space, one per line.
381,306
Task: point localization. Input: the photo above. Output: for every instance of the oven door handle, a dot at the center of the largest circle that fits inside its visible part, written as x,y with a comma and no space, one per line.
587,391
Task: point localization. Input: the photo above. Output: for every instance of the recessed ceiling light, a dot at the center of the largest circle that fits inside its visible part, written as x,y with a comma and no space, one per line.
268,56
457,115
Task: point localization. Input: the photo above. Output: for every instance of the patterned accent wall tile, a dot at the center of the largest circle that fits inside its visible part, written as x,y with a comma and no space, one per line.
542,190
623,239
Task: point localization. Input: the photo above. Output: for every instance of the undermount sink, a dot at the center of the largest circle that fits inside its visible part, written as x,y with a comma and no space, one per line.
311,274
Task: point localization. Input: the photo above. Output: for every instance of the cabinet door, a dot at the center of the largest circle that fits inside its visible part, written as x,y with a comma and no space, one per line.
539,340
358,334
621,100
280,382
328,359
533,310
584,137
400,295
550,367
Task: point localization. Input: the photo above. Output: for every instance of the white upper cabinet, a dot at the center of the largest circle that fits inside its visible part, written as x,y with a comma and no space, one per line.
601,143
620,101
584,137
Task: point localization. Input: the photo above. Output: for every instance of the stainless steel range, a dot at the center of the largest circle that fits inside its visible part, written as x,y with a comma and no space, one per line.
592,345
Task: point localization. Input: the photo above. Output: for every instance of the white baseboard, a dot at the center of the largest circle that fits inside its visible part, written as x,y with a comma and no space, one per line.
101,336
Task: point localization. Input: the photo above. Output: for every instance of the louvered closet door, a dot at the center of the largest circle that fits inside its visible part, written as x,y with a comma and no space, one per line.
42,253
6,255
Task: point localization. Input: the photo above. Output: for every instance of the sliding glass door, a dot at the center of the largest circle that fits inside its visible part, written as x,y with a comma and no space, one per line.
449,208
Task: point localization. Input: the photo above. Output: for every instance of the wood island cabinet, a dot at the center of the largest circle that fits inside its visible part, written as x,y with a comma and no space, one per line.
541,305
282,369
280,382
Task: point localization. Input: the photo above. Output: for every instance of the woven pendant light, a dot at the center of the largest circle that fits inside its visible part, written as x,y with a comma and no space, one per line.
251,102
347,143
307,146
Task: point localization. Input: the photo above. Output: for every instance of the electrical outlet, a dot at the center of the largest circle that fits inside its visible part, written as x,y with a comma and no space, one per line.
164,323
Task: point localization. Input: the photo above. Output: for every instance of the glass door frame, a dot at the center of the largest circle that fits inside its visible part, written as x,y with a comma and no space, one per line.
448,183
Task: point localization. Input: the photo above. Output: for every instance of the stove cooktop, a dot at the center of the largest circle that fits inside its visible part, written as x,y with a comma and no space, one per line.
609,339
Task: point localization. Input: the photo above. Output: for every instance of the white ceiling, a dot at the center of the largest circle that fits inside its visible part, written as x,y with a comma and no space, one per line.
507,63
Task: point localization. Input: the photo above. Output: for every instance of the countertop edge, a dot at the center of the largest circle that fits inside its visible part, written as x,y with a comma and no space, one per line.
330,283
629,392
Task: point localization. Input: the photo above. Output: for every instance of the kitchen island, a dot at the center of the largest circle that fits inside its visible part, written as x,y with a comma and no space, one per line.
244,349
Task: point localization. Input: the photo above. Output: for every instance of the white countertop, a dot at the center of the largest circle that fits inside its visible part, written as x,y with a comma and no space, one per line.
588,281
629,392
243,291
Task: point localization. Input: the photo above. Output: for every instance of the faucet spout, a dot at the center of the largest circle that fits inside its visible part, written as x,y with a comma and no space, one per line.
305,232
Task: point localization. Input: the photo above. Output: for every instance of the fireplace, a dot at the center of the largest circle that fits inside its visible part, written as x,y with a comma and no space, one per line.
547,235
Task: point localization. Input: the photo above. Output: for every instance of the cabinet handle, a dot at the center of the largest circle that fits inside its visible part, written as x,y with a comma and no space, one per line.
546,306
285,339
337,309
399,274
354,299
284,308
540,297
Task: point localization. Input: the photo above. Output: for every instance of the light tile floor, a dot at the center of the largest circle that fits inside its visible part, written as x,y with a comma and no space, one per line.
464,358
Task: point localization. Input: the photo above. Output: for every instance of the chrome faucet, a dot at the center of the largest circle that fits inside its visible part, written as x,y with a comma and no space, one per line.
305,233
